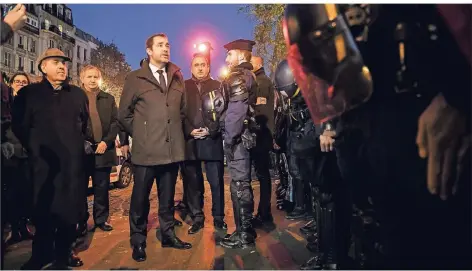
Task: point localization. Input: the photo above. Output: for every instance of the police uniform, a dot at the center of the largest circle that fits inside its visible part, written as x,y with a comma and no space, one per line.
235,121
264,115
413,57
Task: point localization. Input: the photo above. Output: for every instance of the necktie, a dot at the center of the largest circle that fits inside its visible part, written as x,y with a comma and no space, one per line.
162,80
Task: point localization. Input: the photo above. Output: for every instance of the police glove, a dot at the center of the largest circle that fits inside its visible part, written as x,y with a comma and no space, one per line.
248,139
88,147
228,150
8,150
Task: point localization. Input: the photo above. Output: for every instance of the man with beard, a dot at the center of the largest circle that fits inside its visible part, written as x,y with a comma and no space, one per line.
50,120
240,87
152,111
202,146
264,115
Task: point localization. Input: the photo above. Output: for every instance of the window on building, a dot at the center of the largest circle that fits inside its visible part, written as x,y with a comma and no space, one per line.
85,54
60,10
21,63
78,52
51,44
20,40
60,28
32,46
31,66
7,59
47,23
60,47
68,15
10,41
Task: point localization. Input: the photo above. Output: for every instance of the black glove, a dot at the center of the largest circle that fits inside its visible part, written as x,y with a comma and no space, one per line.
228,150
88,147
248,139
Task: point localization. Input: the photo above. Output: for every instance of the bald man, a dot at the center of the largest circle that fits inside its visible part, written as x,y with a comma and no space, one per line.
260,154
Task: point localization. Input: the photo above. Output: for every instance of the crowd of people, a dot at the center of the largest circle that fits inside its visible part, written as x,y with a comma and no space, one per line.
353,113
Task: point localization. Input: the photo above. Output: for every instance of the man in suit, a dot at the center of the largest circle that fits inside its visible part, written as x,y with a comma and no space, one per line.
152,109
202,146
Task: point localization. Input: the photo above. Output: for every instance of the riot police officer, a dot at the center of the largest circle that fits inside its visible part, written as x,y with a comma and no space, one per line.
237,124
421,82
301,142
327,232
264,116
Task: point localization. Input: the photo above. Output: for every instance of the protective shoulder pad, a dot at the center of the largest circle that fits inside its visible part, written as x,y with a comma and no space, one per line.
237,86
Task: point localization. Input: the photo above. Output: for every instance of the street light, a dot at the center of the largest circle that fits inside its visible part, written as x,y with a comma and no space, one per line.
204,48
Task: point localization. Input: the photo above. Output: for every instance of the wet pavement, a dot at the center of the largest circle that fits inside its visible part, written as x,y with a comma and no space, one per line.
282,247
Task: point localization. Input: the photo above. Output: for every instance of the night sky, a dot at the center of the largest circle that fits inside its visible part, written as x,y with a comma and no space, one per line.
130,25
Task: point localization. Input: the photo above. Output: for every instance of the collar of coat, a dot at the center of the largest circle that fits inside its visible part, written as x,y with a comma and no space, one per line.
199,81
259,71
145,72
100,93
65,85
244,65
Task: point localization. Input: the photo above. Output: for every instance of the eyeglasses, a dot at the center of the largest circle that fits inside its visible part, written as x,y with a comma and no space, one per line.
20,82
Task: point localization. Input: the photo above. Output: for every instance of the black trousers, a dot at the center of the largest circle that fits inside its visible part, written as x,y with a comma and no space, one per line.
301,170
18,192
261,159
166,177
53,238
194,188
101,184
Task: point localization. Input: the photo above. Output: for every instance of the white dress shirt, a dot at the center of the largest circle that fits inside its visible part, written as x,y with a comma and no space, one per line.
154,70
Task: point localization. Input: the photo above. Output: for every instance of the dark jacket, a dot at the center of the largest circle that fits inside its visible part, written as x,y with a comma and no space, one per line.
210,148
240,77
264,111
108,113
153,117
51,125
265,93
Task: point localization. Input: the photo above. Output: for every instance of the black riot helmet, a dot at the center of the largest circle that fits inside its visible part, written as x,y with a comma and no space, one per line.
285,81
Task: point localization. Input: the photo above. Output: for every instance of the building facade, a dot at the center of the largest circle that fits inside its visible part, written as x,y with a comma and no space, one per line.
85,44
47,26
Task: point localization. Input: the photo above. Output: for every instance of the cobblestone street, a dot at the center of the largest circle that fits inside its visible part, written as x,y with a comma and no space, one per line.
279,248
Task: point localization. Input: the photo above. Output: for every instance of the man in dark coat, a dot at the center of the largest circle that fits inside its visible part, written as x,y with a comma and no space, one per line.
264,108
201,146
101,133
50,120
240,85
152,111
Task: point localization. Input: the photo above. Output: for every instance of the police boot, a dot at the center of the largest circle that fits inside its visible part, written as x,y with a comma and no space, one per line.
297,213
243,205
260,221
309,227
314,263
280,194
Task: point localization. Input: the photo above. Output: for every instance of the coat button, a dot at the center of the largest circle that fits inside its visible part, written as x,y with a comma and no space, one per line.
200,109
168,121
167,104
167,140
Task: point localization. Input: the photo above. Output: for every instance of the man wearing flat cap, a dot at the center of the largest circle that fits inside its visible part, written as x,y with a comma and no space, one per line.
50,120
238,136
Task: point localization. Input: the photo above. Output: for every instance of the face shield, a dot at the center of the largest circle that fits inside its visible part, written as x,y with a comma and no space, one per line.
325,61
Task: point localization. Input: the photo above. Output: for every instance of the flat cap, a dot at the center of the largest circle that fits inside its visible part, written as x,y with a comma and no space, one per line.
51,52
240,45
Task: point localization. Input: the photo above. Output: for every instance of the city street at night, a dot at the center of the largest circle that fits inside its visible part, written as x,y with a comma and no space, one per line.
279,248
